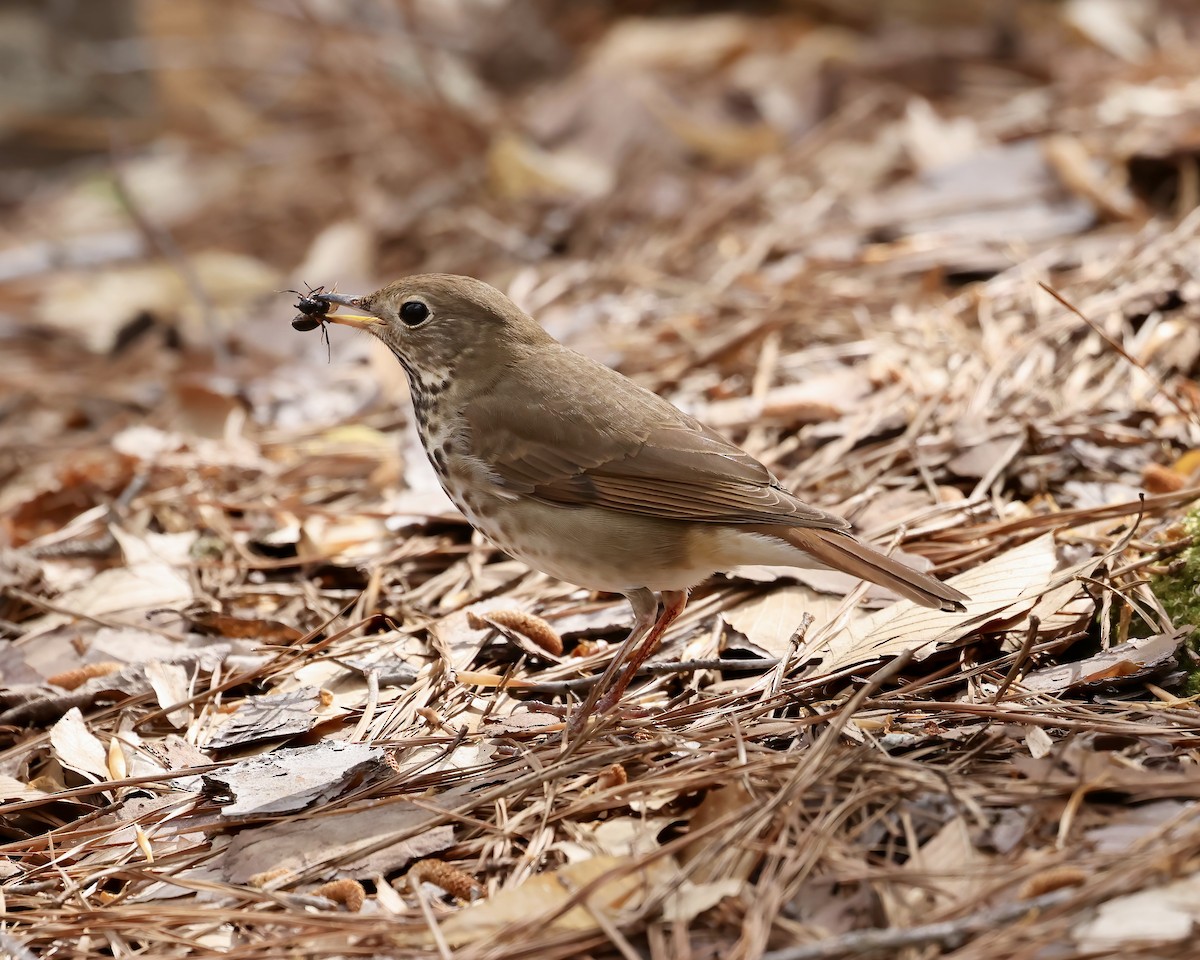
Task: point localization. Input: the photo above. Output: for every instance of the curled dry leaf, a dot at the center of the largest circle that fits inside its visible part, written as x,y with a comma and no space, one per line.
170,683
1131,662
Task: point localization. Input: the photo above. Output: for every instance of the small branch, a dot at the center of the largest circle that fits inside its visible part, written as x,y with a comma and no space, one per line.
799,635
948,933
1022,656
651,670
105,543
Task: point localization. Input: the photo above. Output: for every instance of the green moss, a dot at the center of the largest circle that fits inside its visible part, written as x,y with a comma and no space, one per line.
1179,593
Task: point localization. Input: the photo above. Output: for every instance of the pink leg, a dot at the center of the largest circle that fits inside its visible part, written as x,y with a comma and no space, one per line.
673,603
645,616
648,629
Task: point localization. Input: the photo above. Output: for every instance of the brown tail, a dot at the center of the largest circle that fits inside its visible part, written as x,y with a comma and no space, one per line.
842,552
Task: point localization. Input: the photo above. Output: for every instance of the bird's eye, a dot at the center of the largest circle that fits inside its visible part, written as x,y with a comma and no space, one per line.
414,312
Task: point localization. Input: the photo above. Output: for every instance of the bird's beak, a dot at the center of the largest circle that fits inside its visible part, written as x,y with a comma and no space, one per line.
362,321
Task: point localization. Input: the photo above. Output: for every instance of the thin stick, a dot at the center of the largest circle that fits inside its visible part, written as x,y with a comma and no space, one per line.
1121,351
1022,656
650,670
435,931
948,933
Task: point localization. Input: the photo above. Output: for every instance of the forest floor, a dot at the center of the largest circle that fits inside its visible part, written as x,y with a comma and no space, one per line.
262,691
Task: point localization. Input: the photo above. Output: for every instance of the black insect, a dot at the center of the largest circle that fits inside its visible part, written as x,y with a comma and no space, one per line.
301,322
313,308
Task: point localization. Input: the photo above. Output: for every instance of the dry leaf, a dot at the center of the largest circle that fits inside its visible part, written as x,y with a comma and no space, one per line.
77,748
951,871
813,400
1039,742
1003,586
689,900
339,838
693,44
519,170
170,684
287,780
269,717
1131,662
138,587
1166,914
720,861
539,897
770,619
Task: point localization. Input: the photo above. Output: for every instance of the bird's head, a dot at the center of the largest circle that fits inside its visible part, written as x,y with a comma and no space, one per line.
435,322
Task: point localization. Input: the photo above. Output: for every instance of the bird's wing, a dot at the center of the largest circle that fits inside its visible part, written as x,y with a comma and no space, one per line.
570,431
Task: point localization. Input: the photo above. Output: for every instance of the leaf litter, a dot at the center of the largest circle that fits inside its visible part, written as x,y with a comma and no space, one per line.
262,690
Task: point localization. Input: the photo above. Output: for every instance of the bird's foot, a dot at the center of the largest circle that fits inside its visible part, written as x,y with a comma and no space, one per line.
606,708
623,710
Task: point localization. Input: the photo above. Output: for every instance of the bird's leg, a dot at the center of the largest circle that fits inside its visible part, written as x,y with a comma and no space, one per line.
645,617
673,602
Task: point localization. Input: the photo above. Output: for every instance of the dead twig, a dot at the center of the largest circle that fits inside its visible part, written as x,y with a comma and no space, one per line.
948,933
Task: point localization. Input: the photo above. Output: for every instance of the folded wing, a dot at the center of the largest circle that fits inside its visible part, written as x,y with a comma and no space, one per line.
637,454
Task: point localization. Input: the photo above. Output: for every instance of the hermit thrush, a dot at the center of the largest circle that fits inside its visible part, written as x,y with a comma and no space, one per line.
582,474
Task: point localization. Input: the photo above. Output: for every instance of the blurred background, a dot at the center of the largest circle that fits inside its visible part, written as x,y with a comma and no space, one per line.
673,187
822,226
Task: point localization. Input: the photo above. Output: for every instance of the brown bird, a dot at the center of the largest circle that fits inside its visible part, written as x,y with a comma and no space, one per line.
576,470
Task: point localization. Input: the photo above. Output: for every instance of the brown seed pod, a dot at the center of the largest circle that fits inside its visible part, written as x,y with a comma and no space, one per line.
262,879
70,679
349,893
532,634
454,881
613,776
1051,879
